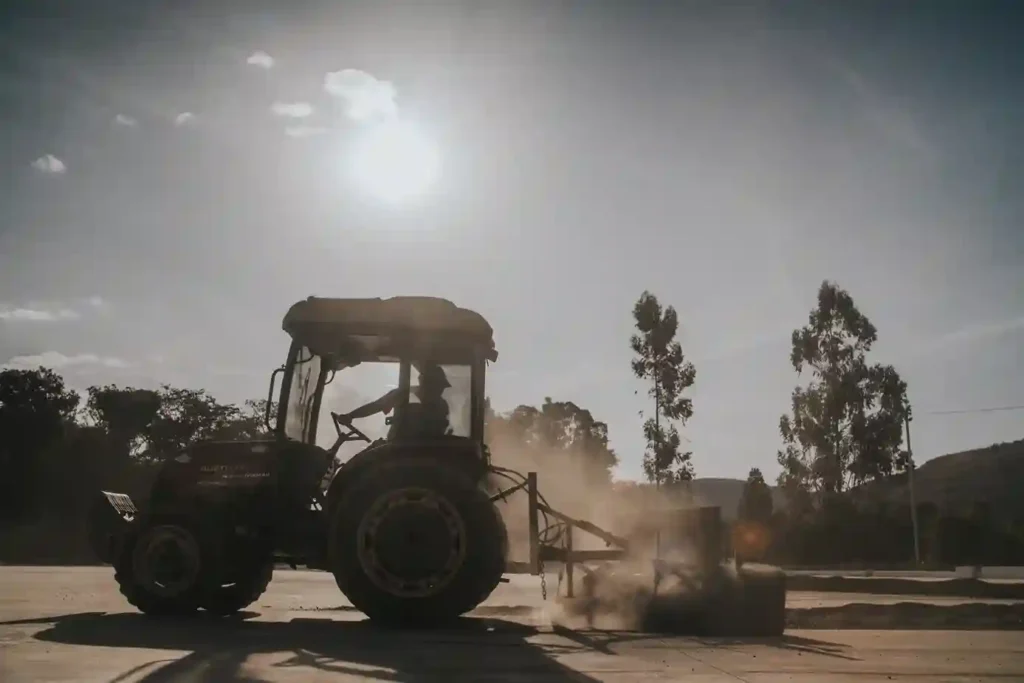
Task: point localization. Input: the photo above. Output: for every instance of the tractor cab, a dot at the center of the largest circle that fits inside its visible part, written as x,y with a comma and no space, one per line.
440,352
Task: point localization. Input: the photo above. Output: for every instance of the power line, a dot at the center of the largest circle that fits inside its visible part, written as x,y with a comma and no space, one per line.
998,409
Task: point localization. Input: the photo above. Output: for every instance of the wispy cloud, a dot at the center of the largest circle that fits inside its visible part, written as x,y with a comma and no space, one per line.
24,314
304,131
292,110
363,96
49,164
41,312
975,332
184,118
125,120
56,360
260,59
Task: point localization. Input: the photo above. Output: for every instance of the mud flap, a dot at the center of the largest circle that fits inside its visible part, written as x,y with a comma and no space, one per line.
110,518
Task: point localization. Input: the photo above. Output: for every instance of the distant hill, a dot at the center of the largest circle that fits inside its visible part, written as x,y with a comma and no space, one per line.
720,492
726,494
954,483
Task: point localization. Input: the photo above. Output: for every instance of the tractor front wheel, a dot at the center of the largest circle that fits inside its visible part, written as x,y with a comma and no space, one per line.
160,569
415,542
228,599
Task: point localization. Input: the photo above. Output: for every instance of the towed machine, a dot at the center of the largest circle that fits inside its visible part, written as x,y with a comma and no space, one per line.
410,526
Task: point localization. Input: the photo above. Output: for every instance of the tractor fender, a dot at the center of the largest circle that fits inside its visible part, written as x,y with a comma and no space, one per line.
463,454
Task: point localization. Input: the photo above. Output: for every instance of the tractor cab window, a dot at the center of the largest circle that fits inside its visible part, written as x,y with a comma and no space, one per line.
456,395
347,390
301,395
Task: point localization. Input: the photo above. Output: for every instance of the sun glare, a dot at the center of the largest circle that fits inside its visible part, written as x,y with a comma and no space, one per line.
395,161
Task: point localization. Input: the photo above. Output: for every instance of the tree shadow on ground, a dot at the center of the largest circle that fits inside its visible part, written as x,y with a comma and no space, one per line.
224,650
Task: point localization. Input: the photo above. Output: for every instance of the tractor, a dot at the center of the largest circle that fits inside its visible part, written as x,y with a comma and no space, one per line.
409,526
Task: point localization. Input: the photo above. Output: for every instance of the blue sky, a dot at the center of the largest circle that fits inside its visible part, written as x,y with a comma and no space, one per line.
726,156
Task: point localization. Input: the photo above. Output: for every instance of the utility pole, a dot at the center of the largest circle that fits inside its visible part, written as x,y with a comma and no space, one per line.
913,501
657,461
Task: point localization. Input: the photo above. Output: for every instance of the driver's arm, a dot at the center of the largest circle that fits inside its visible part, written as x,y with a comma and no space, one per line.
384,404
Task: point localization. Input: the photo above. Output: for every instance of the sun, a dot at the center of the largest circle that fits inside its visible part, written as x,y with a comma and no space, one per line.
395,161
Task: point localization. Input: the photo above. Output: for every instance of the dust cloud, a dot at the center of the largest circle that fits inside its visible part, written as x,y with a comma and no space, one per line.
635,591
573,484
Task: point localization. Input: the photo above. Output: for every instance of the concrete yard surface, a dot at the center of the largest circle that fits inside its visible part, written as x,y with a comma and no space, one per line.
70,624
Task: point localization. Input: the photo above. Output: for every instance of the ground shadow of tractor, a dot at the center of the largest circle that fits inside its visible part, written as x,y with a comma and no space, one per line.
236,650
606,642
226,650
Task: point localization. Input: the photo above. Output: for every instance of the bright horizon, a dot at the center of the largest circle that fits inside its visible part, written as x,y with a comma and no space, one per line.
172,186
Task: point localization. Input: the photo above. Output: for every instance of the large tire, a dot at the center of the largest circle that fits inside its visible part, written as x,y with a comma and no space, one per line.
751,603
142,581
415,542
495,573
229,599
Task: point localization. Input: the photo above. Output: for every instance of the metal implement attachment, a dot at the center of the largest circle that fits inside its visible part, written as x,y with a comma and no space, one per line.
560,548
693,591
555,540
122,503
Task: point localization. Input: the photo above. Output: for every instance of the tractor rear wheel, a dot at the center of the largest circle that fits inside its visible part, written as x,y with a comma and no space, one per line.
160,569
414,542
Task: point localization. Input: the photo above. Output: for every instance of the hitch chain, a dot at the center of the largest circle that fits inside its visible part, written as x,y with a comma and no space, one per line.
543,583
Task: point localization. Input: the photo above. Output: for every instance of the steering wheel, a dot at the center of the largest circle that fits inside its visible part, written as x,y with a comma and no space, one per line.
351,434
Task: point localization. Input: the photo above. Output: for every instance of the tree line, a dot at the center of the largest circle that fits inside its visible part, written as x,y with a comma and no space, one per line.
844,431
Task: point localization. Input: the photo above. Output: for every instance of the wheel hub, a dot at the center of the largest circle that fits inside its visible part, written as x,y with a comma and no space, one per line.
412,542
167,560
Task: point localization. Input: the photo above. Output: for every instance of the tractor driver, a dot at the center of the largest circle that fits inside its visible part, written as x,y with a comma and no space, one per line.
427,418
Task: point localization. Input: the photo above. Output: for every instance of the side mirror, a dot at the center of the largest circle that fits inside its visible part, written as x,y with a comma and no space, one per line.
270,398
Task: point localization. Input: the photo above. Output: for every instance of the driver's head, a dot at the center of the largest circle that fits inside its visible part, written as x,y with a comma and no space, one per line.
432,381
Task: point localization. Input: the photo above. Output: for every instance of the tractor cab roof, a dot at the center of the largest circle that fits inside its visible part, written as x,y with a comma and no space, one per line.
401,327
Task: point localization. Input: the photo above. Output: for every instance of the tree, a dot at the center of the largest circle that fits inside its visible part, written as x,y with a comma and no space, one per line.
659,359
35,407
556,429
846,423
39,397
565,443
756,503
126,414
189,415
55,457
247,423
751,533
151,423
